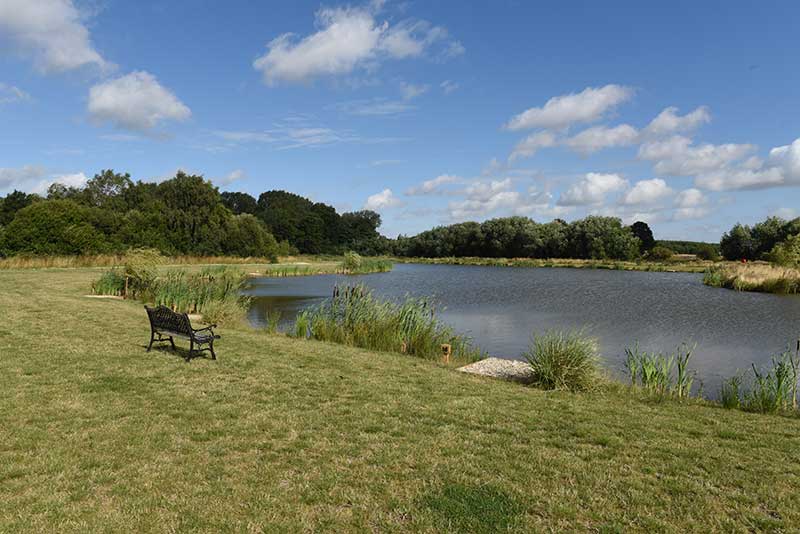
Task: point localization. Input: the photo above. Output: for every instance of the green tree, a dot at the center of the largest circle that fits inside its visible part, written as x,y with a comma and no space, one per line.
738,244
642,231
14,202
239,203
59,227
247,236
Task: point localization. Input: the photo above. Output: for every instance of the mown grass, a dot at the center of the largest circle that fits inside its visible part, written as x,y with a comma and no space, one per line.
679,264
761,277
286,435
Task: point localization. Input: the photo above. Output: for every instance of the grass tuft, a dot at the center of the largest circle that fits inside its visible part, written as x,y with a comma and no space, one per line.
563,360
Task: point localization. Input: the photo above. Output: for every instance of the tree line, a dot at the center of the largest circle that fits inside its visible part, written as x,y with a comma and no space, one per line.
772,239
188,215
185,215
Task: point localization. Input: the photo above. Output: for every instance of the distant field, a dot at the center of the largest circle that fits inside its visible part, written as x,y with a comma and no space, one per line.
283,435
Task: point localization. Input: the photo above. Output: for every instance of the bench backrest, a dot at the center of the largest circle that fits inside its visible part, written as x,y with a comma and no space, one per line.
164,319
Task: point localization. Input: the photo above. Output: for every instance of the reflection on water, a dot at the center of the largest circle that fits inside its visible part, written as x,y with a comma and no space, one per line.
499,307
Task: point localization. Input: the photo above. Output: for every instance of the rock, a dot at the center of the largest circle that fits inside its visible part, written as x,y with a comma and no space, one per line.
513,370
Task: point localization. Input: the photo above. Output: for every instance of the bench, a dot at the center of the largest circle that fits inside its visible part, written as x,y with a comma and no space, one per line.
165,325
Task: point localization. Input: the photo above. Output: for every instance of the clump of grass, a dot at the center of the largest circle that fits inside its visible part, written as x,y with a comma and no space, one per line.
775,389
563,360
771,390
354,316
661,374
730,392
273,320
110,283
301,324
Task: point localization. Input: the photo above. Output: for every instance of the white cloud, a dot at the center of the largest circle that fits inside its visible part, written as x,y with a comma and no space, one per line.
411,91
647,192
135,101
531,144
448,86
36,179
77,180
383,200
785,213
10,94
592,189
669,122
690,198
562,111
18,177
782,168
433,186
347,39
233,176
51,32
677,156
375,107
600,137
485,198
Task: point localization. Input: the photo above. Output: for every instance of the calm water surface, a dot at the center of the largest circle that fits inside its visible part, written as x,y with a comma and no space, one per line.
499,307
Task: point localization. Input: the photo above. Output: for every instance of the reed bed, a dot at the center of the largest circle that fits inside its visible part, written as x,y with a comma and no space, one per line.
350,265
678,265
661,374
214,291
354,316
761,277
770,390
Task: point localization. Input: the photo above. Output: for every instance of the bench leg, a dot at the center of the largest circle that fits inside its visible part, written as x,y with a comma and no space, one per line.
191,350
172,342
152,338
213,354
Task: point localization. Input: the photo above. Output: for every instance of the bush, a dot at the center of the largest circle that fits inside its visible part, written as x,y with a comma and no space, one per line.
352,261
660,254
707,252
787,253
563,360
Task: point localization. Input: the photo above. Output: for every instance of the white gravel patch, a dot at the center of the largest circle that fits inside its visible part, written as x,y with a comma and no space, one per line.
513,370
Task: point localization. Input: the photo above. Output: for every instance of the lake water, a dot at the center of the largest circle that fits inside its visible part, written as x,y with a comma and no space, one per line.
499,307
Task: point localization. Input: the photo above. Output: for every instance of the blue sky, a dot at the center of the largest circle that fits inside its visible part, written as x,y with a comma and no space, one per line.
682,114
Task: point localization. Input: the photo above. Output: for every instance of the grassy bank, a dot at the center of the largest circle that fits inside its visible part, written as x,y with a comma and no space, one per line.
760,277
680,264
289,435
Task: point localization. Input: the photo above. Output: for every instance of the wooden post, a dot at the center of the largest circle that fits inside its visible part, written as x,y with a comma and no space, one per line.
403,347
446,351
125,295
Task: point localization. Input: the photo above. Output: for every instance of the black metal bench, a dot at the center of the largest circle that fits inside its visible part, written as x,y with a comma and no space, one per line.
165,324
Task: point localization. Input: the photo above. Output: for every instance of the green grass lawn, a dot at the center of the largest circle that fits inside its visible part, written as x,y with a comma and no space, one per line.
281,435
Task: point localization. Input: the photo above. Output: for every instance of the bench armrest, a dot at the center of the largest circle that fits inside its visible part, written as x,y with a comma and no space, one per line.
209,328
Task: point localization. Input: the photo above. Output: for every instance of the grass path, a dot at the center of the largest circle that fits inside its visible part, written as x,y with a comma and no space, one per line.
282,435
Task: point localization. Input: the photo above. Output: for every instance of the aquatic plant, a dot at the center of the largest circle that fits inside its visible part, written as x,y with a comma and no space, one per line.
354,316
563,360
273,320
661,374
214,291
730,392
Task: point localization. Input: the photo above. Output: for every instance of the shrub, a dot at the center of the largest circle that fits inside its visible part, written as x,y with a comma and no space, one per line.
352,261
660,254
563,360
787,253
730,392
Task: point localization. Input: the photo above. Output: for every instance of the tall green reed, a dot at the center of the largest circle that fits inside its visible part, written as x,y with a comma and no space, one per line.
354,316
